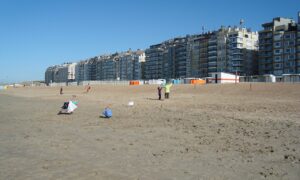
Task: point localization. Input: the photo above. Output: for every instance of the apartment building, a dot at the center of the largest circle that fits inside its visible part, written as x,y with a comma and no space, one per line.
180,65
83,71
60,73
197,55
110,68
229,49
212,54
274,50
93,67
167,59
130,65
68,72
49,74
242,52
154,61
278,47
298,46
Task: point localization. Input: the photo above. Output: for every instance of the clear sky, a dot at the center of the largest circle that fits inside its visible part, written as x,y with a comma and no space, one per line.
35,34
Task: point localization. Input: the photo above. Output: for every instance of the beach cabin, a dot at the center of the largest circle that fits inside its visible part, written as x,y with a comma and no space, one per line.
157,81
291,78
221,77
268,78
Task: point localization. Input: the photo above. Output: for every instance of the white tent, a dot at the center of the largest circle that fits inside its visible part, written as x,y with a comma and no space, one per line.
71,107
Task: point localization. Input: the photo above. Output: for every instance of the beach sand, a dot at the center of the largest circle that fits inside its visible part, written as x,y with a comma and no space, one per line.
201,132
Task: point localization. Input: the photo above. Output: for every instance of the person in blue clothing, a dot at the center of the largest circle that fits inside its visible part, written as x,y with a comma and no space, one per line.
107,112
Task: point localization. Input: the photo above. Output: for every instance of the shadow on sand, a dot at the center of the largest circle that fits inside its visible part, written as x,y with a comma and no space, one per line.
154,99
104,117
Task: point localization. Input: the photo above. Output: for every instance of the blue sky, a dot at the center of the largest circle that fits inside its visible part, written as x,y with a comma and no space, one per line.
35,34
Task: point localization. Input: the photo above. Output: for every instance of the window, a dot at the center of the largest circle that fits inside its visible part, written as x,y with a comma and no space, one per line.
240,45
278,51
286,43
292,43
287,36
277,37
278,65
292,56
286,57
292,35
286,64
278,72
289,43
278,44
277,58
292,50
289,50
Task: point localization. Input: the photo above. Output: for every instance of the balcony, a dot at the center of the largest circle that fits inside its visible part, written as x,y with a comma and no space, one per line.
237,58
265,42
212,69
212,47
266,49
212,53
264,54
212,64
237,65
211,41
211,58
237,52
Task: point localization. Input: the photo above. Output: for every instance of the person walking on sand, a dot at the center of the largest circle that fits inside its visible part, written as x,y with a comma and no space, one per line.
167,90
88,88
61,90
159,88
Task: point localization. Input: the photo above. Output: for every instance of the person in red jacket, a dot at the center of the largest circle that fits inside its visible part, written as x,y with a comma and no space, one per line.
61,90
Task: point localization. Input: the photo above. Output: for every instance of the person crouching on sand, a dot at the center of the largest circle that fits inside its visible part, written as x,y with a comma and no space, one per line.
107,113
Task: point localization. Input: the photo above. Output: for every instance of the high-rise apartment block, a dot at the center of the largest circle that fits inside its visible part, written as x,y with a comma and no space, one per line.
229,49
168,59
232,50
60,73
278,47
131,65
118,66
298,45
238,50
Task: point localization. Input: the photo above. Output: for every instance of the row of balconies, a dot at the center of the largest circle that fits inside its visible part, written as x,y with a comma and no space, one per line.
262,54
269,48
212,57
265,42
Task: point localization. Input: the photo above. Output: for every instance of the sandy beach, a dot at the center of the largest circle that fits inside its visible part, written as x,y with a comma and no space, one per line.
201,132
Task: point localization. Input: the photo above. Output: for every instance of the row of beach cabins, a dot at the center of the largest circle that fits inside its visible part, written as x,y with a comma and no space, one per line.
214,78
218,77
